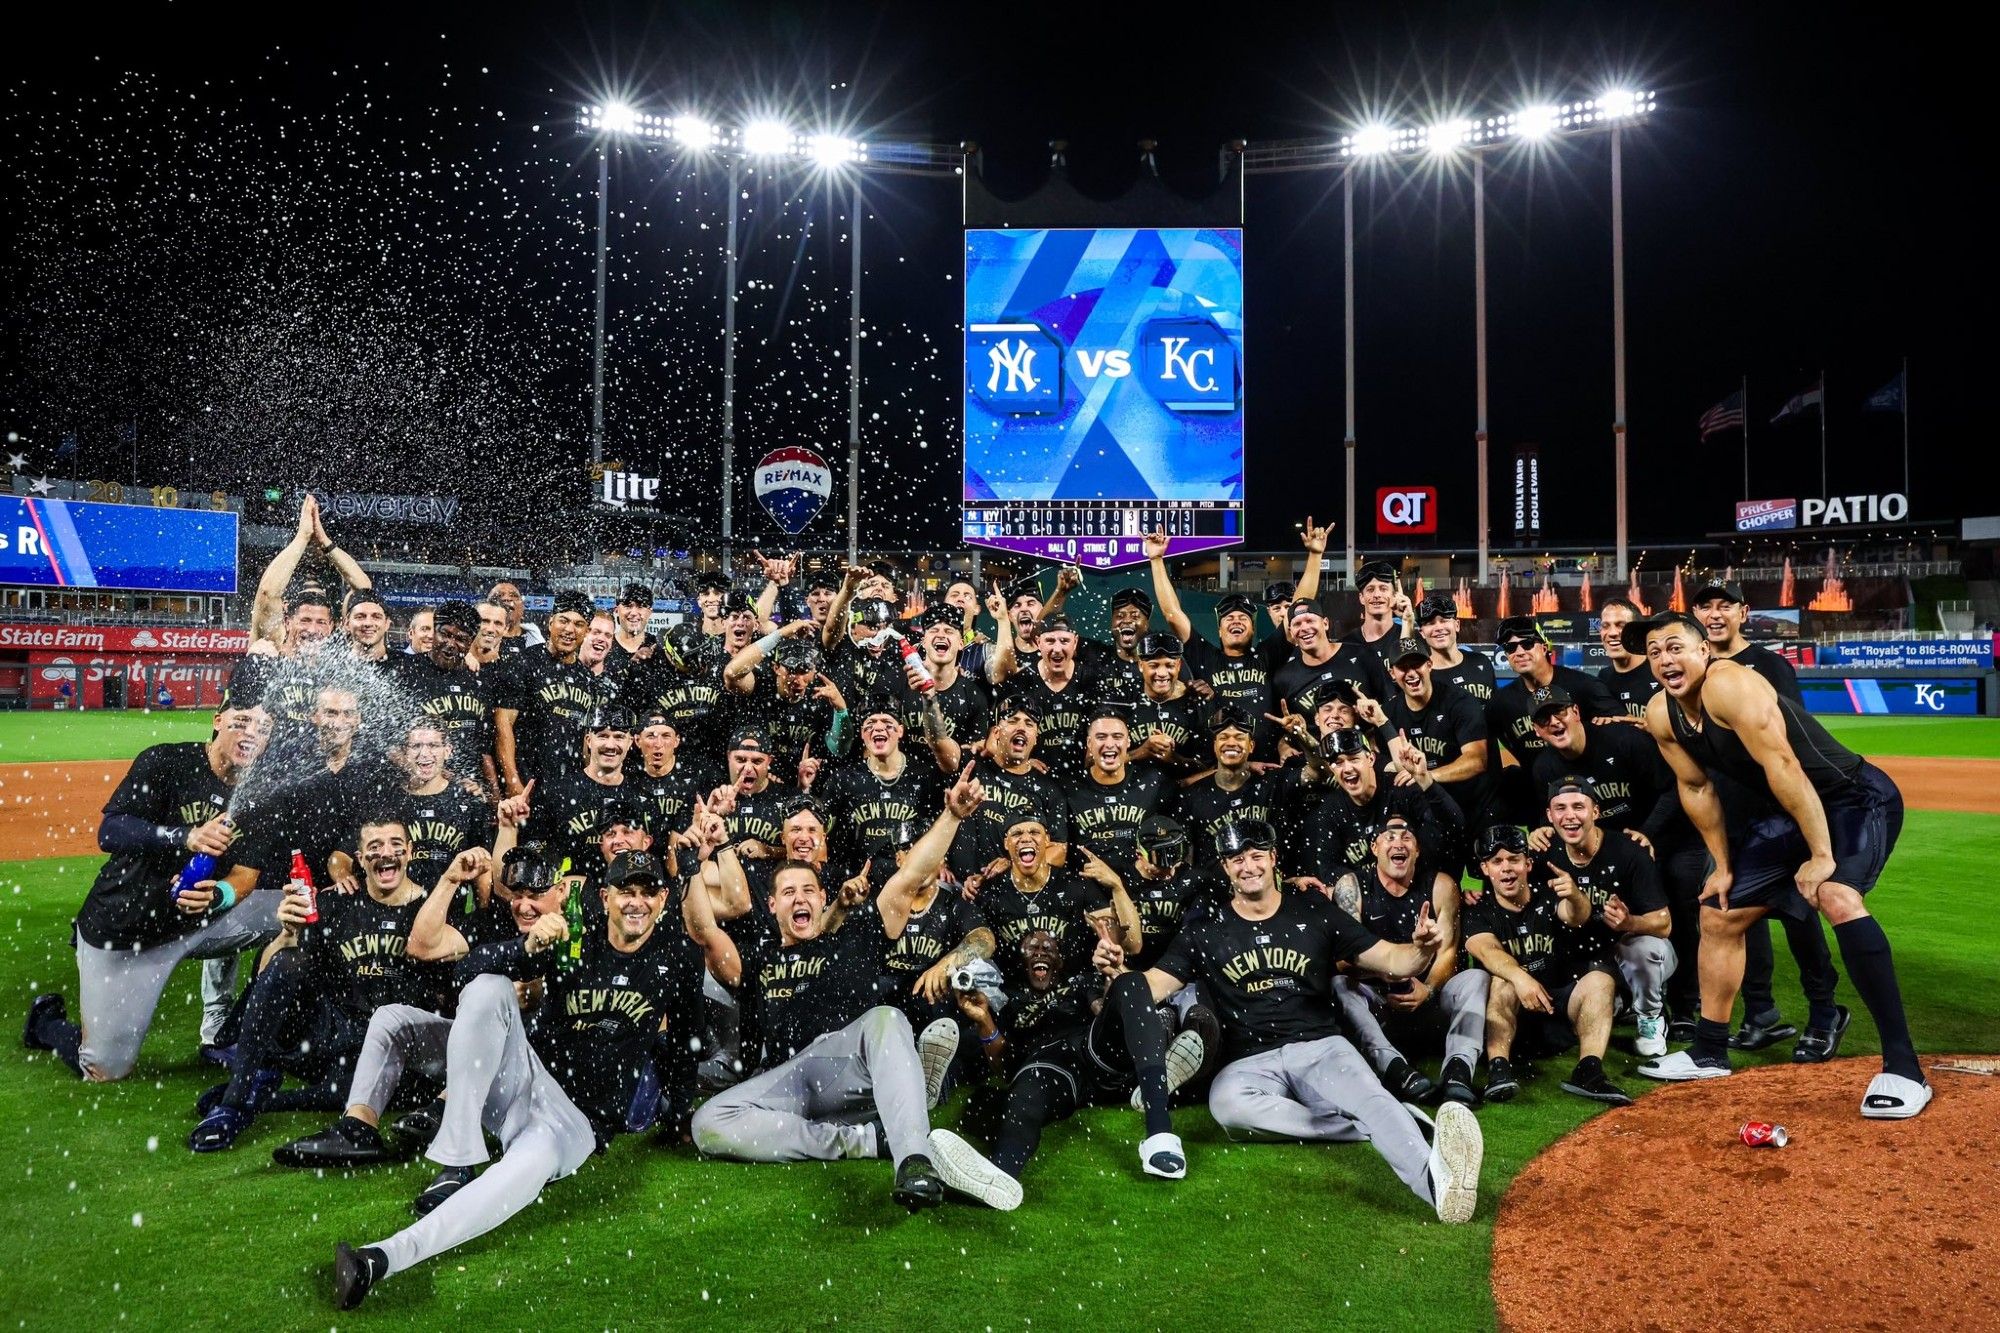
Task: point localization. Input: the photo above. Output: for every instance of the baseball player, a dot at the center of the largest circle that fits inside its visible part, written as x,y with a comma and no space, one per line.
133,928
839,1075
1552,984
1628,678
552,1087
1437,626
1266,962
1386,1020
1828,822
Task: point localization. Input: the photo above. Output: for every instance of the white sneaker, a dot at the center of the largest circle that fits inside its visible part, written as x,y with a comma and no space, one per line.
1456,1150
972,1175
1680,1067
937,1047
1893,1097
1652,1035
1162,1155
1184,1056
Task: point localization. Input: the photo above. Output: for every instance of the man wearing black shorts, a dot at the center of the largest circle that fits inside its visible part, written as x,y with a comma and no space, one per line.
1829,822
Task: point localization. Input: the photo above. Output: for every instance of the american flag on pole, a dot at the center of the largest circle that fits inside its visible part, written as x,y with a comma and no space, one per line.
1799,402
1725,415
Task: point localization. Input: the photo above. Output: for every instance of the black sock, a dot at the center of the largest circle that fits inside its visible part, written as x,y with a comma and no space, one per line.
1153,1096
1711,1043
1865,950
59,1035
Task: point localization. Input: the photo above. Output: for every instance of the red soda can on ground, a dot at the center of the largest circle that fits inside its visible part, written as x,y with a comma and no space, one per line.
1763,1134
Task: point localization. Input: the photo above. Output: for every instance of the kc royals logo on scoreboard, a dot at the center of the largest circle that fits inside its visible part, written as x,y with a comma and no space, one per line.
792,485
1103,390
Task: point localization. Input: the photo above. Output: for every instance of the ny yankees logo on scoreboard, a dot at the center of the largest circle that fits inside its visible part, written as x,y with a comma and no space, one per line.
1187,365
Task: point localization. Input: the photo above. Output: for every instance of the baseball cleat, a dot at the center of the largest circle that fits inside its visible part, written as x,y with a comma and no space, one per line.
1757,1033
1456,1150
1162,1155
1200,1018
219,1055
1593,1084
1652,1038
1818,1045
420,1125
1184,1056
219,1128
209,1100
1893,1097
355,1272
917,1184
345,1143
1680,1067
1455,1083
937,1047
1501,1081
46,1007
1406,1081
972,1175
449,1182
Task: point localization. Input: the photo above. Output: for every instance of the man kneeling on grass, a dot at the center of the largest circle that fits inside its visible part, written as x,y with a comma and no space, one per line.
840,1075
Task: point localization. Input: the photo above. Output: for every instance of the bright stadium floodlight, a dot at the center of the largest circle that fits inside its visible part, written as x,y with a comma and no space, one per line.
1536,122
1618,103
694,132
619,118
767,138
1371,139
832,150
1445,136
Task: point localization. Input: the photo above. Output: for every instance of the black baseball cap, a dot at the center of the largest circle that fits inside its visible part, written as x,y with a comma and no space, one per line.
1348,740
627,812
711,578
1410,648
577,603
636,594
1054,624
629,866
1436,606
878,705
1112,708
796,655
458,616
1016,701
656,718
1132,597
1498,838
1303,605
1634,635
1275,593
1570,783
1164,840
609,718
822,578
1344,690
1234,601
1375,571
1028,585
1243,834
746,738
1394,819
944,613
1727,590
804,803
1519,627
1159,645
738,603
1548,700
529,869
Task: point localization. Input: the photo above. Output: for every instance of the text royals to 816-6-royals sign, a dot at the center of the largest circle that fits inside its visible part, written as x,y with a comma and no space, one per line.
792,484
1103,391
78,544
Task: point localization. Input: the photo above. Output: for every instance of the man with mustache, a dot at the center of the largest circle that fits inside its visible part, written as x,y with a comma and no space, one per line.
541,698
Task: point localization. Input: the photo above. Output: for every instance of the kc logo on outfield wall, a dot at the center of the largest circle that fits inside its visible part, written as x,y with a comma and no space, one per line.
1187,364
1401,509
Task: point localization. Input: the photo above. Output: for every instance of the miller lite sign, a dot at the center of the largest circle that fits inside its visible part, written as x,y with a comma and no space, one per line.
1406,509
792,485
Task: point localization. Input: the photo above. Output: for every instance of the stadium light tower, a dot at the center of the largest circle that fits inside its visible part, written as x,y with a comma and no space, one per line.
1537,123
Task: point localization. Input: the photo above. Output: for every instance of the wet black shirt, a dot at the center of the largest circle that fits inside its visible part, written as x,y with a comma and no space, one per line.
459,700
1105,817
1301,686
356,955
552,701
1621,866
1546,949
441,826
1629,690
1509,713
793,994
130,903
1061,907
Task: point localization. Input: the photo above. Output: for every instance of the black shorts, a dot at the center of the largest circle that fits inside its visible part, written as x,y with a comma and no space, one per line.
1551,1034
1863,822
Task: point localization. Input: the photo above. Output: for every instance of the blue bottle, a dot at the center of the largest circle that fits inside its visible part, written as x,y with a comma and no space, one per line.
200,866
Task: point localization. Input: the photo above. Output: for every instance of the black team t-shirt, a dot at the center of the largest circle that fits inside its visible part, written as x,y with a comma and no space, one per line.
1302,686
865,807
928,936
458,700
1270,981
669,798
795,993
1472,676
1441,729
1621,866
1061,907
1535,937
567,812
441,826
693,701
1064,716
1181,720
1629,690
356,954
1035,1020
1204,807
967,708
1105,816
1775,670
1163,904
1009,796
1243,682
1633,785
130,904
595,1027
552,702
1509,714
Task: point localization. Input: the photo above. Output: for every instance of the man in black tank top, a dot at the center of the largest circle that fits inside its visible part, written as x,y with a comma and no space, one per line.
1828,823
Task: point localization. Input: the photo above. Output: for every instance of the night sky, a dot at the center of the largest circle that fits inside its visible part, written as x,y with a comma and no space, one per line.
357,251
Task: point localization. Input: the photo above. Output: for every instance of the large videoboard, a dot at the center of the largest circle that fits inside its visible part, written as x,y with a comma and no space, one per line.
1103,391
75,544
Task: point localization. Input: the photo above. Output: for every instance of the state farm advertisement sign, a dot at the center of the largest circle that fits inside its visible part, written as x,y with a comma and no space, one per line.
123,639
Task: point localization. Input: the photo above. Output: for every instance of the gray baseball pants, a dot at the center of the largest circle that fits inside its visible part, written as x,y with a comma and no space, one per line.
1321,1091
119,989
1645,962
815,1106
1461,1005
493,1081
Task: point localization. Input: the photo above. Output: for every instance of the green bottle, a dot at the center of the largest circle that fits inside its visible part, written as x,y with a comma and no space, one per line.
572,954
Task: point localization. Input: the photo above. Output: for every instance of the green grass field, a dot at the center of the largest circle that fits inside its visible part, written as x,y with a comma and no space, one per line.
37,738
112,1221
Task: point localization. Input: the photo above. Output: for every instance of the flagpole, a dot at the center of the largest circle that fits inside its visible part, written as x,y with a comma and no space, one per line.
1745,392
1822,434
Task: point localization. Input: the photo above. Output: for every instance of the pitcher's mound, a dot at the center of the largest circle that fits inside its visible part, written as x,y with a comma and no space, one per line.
1656,1217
